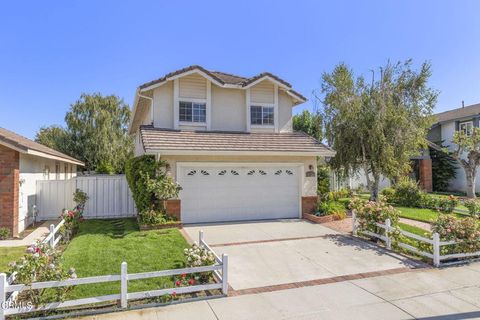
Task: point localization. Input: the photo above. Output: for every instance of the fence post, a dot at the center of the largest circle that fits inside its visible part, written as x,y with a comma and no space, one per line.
436,249
388,225
225,274
200,237
124,286
52,238
3,295
354,223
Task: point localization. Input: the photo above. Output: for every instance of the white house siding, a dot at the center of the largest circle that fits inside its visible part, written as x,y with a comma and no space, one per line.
309,186
359,179
192,86
262,92
31,170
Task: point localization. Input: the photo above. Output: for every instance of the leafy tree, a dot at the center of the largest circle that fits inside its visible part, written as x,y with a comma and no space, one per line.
377,127
467,154
443,168
323,179
310,123
54,137
96,133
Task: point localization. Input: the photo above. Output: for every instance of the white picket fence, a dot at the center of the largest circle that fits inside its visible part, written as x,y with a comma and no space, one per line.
219,269
437,257
109,197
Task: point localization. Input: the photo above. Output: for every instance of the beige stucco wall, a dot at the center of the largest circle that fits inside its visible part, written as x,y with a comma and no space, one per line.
31,170
309,187
163,106
228,106
228,109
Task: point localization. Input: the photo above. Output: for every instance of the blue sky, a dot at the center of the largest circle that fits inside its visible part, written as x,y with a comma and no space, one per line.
52,51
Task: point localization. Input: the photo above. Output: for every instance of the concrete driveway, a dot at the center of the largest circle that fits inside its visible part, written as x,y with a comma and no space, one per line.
427,294
282,252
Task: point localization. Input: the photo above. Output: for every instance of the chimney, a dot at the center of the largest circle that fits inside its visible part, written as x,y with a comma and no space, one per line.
463,104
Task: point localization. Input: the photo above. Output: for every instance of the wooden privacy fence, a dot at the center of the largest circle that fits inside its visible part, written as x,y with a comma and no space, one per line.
436,256
219,269
109,197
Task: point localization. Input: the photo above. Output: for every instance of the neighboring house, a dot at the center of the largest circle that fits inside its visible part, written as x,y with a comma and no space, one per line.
446,124
22,163
229,143
460,119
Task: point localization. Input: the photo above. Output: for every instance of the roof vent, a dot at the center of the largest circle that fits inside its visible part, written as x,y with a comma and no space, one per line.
463,104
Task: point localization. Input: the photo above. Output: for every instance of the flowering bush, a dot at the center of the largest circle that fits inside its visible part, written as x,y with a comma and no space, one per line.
473,206
72,218
80,198
446,205
464,231
407,193
370,212
197,256
41,263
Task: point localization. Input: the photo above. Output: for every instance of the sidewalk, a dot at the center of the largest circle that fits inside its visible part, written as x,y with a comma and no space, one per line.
452,293
38,233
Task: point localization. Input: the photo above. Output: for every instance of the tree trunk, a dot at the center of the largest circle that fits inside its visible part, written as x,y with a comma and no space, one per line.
471,175
375,187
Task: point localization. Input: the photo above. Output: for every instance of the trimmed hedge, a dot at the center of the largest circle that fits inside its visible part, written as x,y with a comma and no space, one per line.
135,170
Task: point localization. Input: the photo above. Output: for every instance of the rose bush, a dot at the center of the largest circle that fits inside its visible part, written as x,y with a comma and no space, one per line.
466,232
198,256
473,206
41,263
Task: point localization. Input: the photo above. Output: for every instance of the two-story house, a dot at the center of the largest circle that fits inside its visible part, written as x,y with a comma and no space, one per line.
447,123
229,143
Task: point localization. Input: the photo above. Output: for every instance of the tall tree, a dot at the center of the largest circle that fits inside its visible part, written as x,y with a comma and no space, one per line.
309,122
96,133
444,167
467,154
54,137
377,126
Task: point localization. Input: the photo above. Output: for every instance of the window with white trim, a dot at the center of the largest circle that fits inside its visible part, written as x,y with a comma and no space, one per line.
46,173
190,111
262,115
466,127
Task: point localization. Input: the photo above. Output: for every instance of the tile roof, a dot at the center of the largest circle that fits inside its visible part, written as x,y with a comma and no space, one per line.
458,113
24,144
224,78
175,140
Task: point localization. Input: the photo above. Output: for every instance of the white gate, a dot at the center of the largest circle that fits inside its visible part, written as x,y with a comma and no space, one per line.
109,197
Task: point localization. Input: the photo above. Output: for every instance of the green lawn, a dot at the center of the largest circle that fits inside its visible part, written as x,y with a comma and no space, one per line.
413,229
102,245
9,254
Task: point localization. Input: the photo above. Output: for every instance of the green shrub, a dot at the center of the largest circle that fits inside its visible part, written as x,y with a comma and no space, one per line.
323,179
153,217
135,171
446,204
473,206
105,168
407,193
325,208
4,233
389,194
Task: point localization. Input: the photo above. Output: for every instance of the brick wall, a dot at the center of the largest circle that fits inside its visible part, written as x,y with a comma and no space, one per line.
173,208
9,188
309,204
425,170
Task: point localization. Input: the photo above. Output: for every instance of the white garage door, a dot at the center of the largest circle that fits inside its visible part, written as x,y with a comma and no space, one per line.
214,193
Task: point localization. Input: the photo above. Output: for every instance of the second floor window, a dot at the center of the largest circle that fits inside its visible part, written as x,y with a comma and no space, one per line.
466,127
192,111
261,115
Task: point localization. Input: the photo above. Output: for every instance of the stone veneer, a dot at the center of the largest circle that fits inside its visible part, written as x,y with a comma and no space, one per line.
9,189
